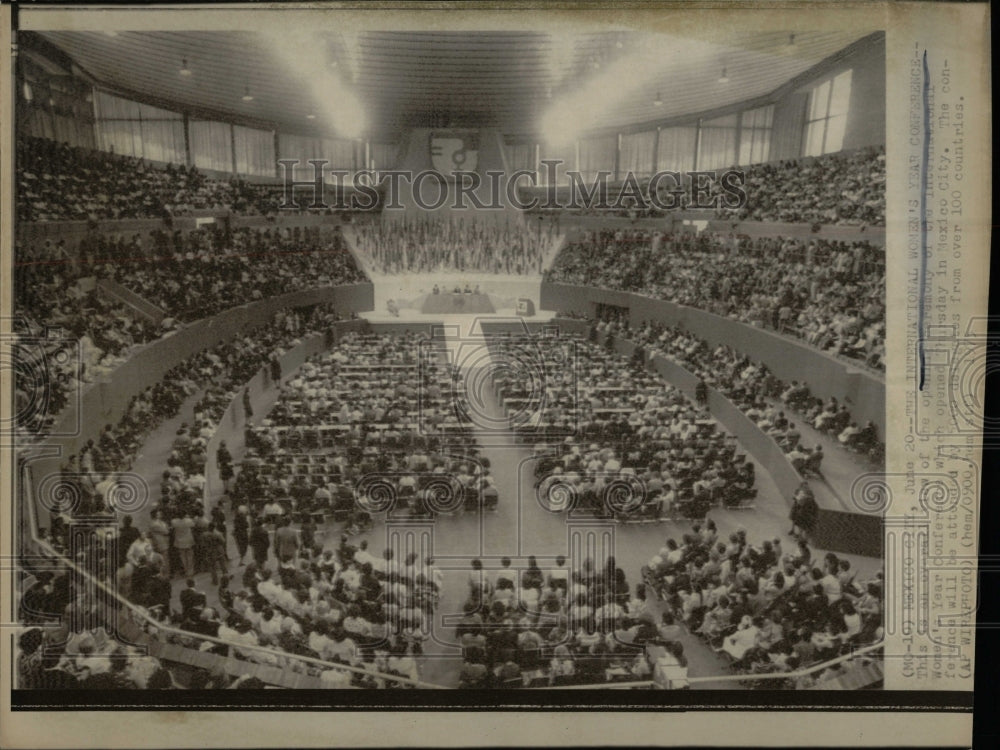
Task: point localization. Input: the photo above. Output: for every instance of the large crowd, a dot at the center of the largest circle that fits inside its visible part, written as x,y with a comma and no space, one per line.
431,245
846,188
70,333
610,436
315,609
830,294
211,271
215,374
843,188
769,607
58,182
565,624
183,539
759,393
364,429
67,336
615,440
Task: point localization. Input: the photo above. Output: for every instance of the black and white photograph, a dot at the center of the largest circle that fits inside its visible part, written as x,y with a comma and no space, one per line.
478,364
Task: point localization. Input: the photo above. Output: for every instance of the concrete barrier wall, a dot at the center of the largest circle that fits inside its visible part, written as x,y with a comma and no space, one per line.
754,441
233,420
789,359
30,234
837,531
575,225
33,234
105,401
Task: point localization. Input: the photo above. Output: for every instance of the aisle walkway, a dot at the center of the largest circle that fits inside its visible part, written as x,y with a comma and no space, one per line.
520,527
152,460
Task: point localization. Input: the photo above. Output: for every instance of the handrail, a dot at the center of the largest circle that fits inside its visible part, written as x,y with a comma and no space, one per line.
728,677
603,686
138,612
792,675
125,296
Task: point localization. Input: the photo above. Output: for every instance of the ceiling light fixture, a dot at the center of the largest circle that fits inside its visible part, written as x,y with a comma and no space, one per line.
246,94
111,33
310,117
185,70
791,41
658,101
724,78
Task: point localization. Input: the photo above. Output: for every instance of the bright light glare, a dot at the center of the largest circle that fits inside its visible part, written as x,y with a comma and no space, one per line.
334,103
648,56
559,127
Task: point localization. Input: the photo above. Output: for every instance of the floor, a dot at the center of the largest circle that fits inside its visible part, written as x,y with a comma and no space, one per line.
521,527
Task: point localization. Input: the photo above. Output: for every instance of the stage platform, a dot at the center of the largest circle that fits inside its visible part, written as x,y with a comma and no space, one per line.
456,325
411,292
452,302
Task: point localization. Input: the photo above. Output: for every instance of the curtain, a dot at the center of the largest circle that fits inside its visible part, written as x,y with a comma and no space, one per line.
110,107
636,154
755,135
521,156
301,148
211,145
123,137
598,155
58,107
676,149
717,143
254,151
163,140
140,130
339,152
383,155
566,154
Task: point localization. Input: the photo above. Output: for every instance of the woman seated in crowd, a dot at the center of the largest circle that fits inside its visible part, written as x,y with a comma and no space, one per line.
760,607
829,293
637,448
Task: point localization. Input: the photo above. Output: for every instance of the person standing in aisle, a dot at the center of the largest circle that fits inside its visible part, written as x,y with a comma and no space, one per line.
184,542
241,532
260,542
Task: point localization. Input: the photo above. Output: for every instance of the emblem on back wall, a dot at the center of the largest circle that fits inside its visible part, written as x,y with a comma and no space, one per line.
454,152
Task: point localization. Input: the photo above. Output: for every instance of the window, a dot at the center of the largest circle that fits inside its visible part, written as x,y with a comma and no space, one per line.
211,145
384,156
597,155
717,143
254,151
827,120
566,154
675,152
636,154
132,129
521,156
340,153
54,106
755,135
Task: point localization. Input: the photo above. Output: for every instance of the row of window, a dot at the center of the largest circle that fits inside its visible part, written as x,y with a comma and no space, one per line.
134,129
735,139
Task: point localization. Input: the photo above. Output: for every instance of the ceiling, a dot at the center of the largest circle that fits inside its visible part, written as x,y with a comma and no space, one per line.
400,79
